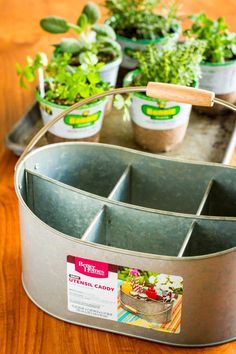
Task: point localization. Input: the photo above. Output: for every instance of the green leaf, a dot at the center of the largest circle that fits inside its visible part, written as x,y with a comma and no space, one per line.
219,42
71,45
104,30
82,21
54,24
18,69
99,65
22,82
42,59
88,58
30,60
84,91
92,12
108,42
94,77
29,74
119,102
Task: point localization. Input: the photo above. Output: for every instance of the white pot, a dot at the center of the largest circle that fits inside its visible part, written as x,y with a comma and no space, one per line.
109,72
158,127
79,124
219,77
129,45
147,113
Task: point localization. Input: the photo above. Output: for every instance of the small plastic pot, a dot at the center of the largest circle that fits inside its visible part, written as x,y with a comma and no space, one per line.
83,124
109,73
221,79
157,128
129,45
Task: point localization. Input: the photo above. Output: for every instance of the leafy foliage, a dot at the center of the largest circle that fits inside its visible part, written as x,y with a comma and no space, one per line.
28,73
176,63
65,84
220,43
123,102
98,39
173,283
137,19
124,274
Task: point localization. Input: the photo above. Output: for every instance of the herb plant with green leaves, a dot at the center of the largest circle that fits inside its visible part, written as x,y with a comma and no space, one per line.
177,63
220,43
98,39
136,19
65,84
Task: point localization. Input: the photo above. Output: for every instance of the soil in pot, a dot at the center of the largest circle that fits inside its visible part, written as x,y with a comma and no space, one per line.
158,140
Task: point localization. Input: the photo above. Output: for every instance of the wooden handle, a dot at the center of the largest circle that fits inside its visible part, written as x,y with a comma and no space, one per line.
178,93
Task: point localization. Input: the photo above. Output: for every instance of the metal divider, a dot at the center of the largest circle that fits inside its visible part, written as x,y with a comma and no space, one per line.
200,211
78,214
203,204
61,206
29,190
121,191
137,230
96,230
186,240
211,236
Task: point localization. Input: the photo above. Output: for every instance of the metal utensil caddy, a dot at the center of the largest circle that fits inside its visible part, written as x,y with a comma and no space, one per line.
132,209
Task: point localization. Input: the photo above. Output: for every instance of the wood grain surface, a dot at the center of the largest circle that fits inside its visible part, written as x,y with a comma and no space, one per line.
23,327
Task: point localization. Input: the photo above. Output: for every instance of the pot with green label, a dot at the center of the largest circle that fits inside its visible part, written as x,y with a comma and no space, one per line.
131,45
158,126
83,124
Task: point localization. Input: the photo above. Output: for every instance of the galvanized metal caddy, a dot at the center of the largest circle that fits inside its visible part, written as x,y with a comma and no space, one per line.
122,207
153,311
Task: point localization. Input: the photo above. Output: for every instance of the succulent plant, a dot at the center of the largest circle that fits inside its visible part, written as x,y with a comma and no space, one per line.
98,39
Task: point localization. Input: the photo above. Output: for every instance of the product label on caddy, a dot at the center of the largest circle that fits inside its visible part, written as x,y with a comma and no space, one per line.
123,294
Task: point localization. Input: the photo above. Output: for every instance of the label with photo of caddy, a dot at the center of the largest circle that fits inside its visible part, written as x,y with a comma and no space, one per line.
123,294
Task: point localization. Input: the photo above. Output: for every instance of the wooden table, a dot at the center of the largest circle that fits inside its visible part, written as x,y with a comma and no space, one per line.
23,327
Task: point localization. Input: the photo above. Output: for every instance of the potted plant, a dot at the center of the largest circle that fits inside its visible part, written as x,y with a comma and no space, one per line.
161,125
98,39
137,25
219,65
61,85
